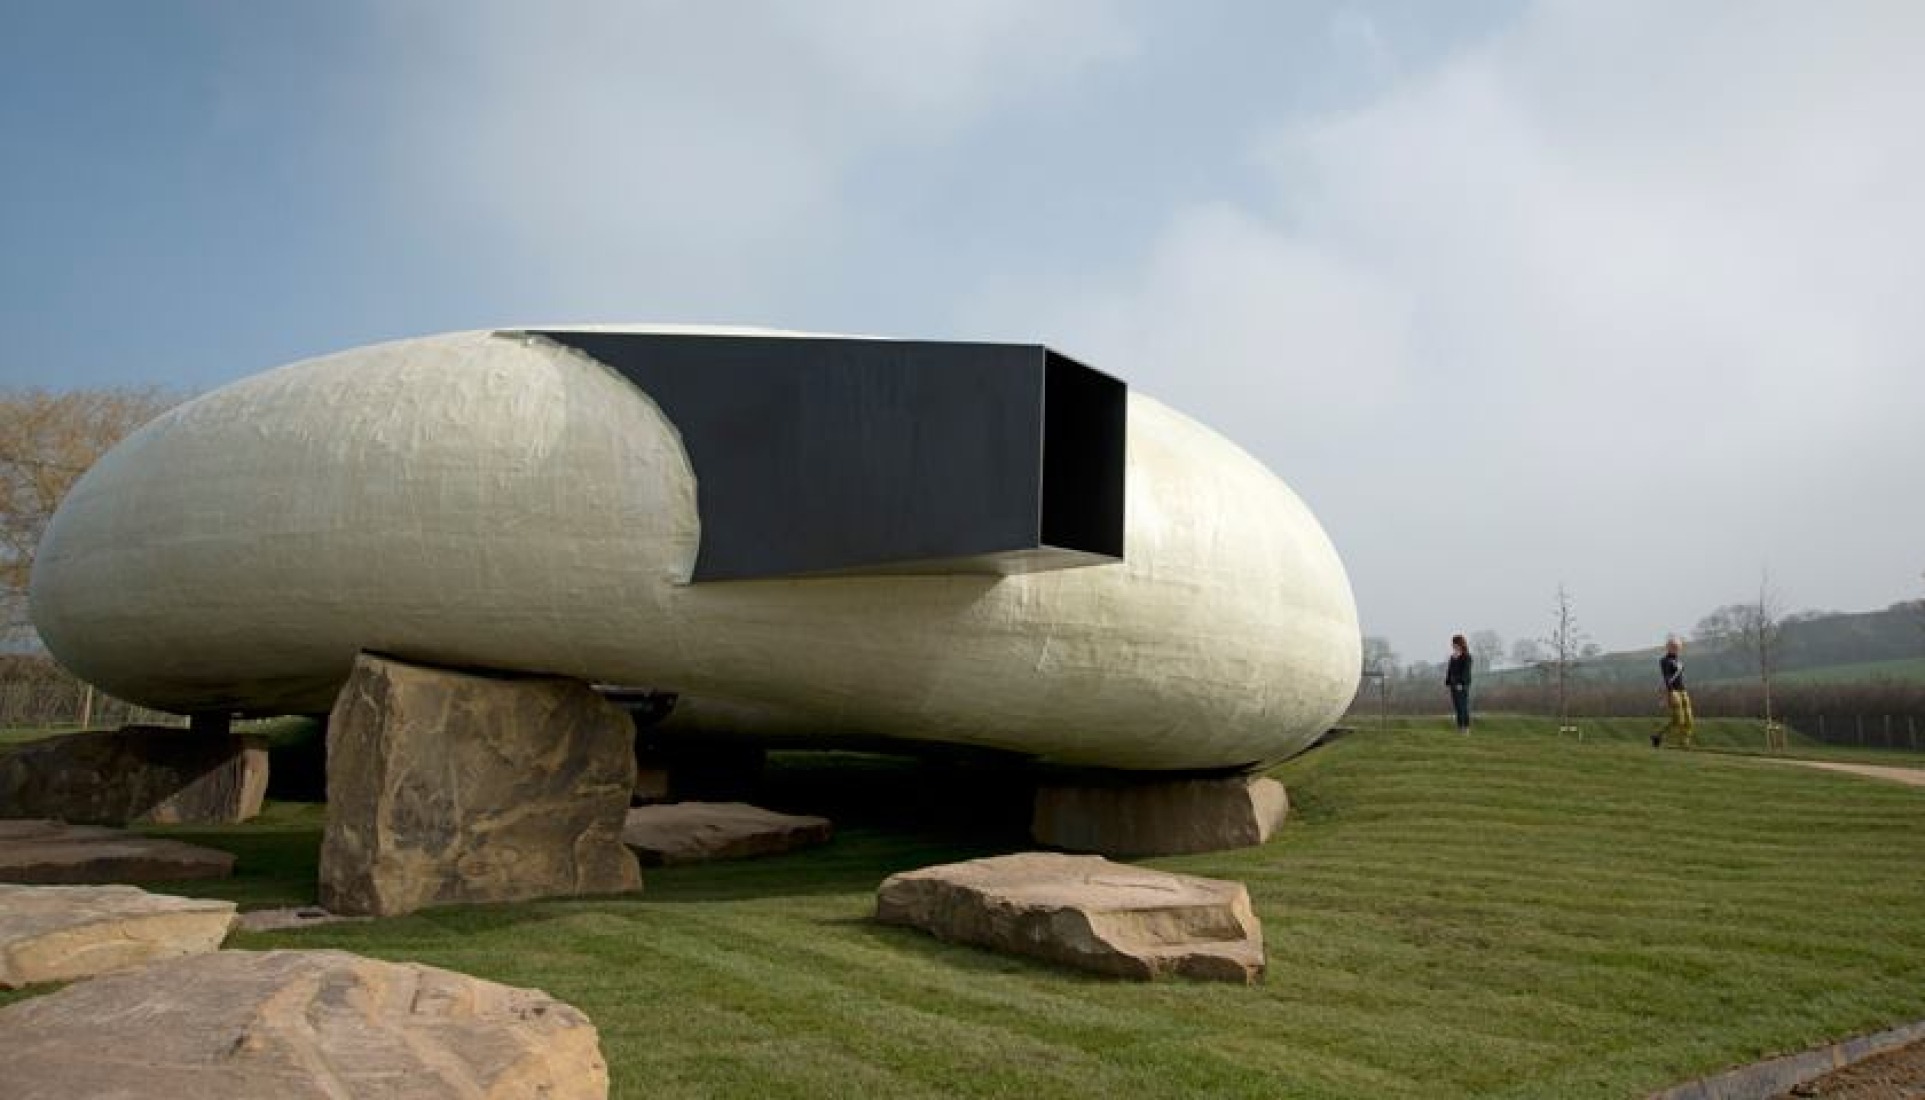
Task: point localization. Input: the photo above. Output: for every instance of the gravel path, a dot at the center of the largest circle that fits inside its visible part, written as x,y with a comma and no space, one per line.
1911,777
1894,1075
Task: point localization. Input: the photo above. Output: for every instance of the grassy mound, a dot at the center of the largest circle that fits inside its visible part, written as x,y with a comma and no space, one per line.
1728,735
1508,914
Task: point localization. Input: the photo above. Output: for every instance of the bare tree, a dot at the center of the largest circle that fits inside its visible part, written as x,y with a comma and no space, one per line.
1760,626
1752,628
1423,672
1722,629
1565,642
1526,652
1380,663
1487,647
1378,656
47,440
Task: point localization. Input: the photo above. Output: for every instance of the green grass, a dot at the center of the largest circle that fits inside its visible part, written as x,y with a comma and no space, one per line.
1743,736
1511,914
1731,734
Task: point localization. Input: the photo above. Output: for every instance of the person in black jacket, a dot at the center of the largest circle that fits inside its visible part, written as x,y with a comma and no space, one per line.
1457,680
1676,698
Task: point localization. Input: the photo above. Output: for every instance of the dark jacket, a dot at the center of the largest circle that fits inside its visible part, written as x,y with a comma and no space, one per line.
1673,671
1457,672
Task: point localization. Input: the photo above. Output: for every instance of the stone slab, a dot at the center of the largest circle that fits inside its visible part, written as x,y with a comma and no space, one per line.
298,1025
159,775
289,918
1085,912
1139,817
52,852
450,788
698,832
64,933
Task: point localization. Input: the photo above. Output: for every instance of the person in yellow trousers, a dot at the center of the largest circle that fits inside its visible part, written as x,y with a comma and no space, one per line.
1676,698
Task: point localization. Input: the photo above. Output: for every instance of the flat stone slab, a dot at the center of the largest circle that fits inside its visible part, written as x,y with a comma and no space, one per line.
298,1025
43,852
1085,912
1148,817
159,775
282,920
64,933
696,832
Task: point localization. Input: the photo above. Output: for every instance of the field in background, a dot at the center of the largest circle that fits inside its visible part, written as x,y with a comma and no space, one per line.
1741,736
1909,670
1508,914
1878,713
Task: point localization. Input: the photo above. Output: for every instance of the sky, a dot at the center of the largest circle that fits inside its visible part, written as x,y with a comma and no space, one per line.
1626,296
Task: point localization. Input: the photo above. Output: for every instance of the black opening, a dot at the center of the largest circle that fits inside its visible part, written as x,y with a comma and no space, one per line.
1084,413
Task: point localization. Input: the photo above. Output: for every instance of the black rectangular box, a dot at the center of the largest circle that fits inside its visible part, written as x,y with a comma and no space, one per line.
847,456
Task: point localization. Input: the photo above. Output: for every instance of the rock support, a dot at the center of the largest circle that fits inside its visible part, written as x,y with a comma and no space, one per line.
449,788
1130,817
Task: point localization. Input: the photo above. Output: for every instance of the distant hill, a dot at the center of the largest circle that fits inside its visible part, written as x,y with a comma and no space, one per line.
1829,647
1909,670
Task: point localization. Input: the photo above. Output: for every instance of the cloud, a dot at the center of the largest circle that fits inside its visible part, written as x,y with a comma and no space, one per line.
668,158
1226,302
1621,295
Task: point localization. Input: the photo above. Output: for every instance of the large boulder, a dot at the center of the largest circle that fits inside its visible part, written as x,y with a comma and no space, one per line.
697,832
63,933
159,775
448,788
54,852
298,1025
1085,912
1131,816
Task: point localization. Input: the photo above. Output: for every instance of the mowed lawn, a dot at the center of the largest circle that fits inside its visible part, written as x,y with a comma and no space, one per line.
1508,914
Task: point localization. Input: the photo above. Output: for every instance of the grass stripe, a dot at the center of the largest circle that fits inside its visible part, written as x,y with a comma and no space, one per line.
1512,914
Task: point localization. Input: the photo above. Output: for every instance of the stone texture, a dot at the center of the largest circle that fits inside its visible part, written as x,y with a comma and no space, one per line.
1159,818
63,933
298,1025
159,775
53,852
448,788
697,832
1085,912
282,920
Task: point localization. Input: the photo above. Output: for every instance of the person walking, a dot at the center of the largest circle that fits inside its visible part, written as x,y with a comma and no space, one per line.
1457,680
1676,699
